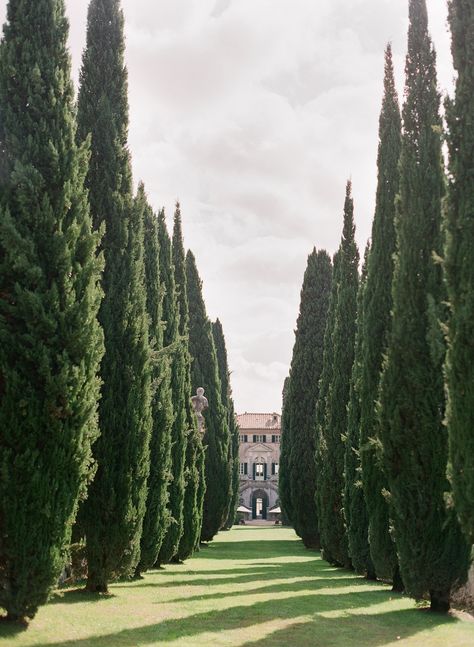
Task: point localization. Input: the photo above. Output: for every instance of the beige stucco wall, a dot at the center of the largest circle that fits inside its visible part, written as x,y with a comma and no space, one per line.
251,453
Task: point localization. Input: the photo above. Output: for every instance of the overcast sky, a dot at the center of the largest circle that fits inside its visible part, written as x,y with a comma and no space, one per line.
254,113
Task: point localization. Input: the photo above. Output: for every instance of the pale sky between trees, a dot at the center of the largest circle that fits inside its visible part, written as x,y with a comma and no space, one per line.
254,113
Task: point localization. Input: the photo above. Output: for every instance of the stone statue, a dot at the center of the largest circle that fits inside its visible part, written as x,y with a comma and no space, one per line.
200,403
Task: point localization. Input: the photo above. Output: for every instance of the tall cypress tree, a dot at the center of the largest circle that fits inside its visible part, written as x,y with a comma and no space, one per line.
355,510
180,428
320,454
194,459
431,549
235,458
332,528
305,374
460,266
50,340
156,521
376,327
228,404
113,513
284,483
204,373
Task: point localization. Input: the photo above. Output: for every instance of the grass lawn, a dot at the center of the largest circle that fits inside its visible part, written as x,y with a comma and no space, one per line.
252,587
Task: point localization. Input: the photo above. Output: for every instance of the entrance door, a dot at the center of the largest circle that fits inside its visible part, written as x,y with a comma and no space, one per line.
259,504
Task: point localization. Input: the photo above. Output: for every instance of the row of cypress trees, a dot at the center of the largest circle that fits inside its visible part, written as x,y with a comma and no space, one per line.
389,419
103,331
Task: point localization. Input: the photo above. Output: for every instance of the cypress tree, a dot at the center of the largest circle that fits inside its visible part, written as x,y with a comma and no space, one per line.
284,487
228,404
355,510
460,266
320,454
305,374
50,340
193,496
156,521
204,373
376,326
194,459
180,396
113,513
235,458
332,528
431,550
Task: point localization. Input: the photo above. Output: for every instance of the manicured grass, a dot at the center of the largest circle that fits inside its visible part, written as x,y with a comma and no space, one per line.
252,587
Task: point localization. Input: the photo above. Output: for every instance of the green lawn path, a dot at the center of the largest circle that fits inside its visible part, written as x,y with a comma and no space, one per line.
251,587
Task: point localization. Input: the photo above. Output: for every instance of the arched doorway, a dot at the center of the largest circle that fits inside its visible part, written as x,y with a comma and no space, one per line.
259,504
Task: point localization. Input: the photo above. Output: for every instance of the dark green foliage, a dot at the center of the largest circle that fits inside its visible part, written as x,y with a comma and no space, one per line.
50,341
355,510
103,115
193,496
460,266
204,373
303,392
157,515
235,488
171,316
228,404
115,509
320,454
113,514
376,326
194,459
284,483
234,451
331,478
431,549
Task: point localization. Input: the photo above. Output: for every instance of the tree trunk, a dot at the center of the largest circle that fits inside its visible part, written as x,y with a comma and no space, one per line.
94,586
312,542
397,583
440,601
371,576
15,618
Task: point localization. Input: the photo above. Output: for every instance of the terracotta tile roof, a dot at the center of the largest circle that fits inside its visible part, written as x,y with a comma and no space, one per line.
259,421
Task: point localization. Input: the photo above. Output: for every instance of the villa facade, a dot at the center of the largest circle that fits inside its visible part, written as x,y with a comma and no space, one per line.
259,452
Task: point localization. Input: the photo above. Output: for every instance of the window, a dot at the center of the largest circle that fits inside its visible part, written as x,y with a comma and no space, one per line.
260,471
244,469
276,438
259,438
275,469
244,438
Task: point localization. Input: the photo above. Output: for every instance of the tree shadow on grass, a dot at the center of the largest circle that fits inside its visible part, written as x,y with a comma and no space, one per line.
348,628
10,629
314,568
356,630
293,587
247,550
78,596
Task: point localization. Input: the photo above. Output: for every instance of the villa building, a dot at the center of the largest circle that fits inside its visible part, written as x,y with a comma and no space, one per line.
259,453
